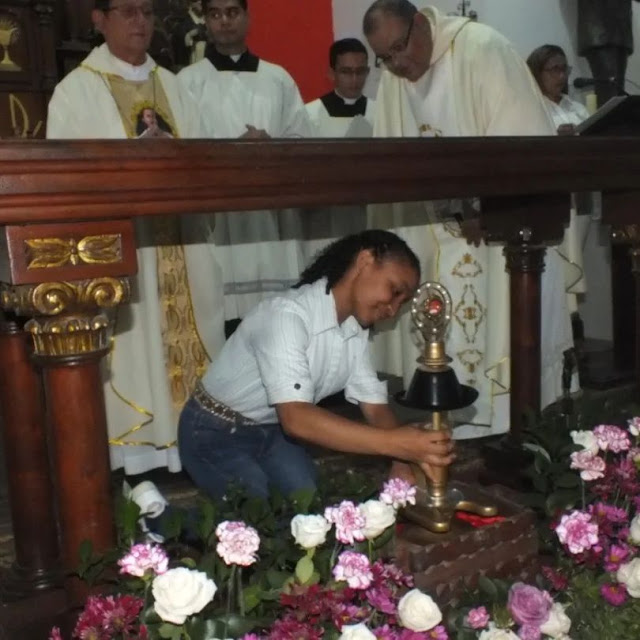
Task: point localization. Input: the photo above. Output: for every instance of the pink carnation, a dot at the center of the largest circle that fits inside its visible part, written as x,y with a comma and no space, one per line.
55,634
398,493
349,521
612,438
143,558
577,531
591,467
353,568
238,543
478,618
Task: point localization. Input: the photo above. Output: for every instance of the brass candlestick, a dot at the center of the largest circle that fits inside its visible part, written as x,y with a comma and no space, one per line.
435,387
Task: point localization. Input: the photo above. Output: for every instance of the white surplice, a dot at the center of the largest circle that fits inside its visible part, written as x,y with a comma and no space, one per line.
327,126
141,413
326,224
258,251
477,85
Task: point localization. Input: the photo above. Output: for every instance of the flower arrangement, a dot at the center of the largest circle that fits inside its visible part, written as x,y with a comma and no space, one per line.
342,591
321,572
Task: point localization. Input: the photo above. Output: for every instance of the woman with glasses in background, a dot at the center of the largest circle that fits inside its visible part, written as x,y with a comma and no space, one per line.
548,64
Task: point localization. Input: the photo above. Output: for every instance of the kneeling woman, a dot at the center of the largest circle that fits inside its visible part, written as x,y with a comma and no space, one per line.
255,408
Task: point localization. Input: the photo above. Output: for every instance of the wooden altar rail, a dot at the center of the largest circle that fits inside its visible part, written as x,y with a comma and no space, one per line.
69,248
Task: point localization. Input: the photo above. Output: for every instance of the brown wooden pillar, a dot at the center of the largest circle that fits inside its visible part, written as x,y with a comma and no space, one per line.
70,335
64,278
525,264
35,530
620,209
525,224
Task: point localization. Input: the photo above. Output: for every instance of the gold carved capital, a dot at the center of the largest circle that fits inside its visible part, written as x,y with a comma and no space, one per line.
48,253
55,298
67,317
73,335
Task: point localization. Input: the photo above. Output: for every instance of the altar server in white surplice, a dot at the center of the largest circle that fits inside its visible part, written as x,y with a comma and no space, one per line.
166,336
243,96
450,76
344,112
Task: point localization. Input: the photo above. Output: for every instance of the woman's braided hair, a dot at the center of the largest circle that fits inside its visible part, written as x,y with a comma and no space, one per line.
334,261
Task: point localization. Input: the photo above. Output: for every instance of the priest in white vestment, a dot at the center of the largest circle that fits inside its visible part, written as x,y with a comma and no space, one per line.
166,336
450,76
242,96
343,112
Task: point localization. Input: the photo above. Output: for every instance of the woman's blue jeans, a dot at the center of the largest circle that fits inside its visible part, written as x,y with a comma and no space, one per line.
217,452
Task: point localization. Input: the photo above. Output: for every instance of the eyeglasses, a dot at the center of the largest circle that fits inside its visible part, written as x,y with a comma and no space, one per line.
558,69
397,49
359,72
130,11
230,13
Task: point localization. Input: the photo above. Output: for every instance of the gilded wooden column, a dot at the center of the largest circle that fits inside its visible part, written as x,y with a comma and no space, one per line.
34,524
71,334
65,278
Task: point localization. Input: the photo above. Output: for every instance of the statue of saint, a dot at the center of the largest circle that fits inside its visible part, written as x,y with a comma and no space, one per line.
605,39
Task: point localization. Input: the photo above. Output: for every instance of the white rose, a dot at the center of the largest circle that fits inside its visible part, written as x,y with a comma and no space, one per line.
417,611
493,633
634,531
356,632
558,624
378,517
181,592
629,575
309,531
586,439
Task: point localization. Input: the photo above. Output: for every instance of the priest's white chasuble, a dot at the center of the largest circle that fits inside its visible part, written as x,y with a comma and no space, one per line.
440,104
259,251
166,336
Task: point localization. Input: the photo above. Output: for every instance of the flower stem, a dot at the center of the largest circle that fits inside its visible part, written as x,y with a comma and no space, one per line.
240,592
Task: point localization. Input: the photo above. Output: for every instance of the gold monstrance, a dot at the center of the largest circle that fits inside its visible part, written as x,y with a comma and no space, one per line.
435,388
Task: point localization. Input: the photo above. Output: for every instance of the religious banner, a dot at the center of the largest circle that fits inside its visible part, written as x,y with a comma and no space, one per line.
297,36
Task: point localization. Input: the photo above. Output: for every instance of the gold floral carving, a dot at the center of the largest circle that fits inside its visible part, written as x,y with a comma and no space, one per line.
55,298
47,253
69,335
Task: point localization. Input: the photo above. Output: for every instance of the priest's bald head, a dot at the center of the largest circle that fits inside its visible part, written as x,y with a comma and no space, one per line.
348,67
127,27
400,37
227,23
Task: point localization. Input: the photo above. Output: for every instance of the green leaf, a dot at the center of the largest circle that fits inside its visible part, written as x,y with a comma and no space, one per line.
275,579
488,588
568,481
169,631
190,563
304,569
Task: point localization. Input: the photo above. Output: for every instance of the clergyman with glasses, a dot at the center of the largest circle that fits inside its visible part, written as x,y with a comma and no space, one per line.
333,114
452,76
161,346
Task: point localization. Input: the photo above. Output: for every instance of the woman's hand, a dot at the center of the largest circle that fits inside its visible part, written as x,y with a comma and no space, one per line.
428,449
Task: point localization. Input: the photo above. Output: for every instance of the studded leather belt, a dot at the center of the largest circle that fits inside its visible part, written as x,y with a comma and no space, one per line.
218,409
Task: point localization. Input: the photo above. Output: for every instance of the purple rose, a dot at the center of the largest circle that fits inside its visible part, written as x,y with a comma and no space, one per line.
529,606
